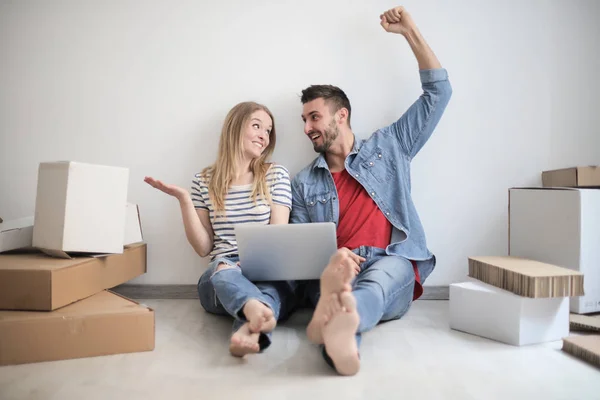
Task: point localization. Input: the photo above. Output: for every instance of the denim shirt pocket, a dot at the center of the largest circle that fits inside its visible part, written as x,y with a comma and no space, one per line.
379,165
320,207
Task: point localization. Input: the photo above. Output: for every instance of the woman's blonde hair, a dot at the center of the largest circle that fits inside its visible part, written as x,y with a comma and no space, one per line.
231,151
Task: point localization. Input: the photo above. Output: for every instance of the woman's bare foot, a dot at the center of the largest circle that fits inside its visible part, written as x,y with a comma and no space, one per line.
342,268
339,336
260,317
244,342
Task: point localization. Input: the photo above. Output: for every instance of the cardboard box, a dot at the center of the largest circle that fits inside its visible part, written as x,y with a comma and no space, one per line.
572,177
525,277
35,281
586,348
485,310
80,208
560,227
99,325
16,234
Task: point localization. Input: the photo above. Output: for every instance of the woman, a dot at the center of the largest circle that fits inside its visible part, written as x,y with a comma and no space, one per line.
239,188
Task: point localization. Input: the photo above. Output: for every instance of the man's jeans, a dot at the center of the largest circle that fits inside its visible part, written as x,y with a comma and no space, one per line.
383,289
225,292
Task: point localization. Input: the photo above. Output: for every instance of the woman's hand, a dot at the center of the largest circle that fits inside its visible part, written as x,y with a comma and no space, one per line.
172,190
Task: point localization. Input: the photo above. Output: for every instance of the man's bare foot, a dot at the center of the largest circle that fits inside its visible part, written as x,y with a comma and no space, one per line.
260,317
342,268
244,342
326,307
339,336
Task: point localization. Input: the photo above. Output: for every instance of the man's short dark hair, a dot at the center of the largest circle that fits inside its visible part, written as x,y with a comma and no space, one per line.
333,95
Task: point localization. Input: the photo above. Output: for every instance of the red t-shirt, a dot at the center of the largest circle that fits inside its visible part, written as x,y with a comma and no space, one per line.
361,222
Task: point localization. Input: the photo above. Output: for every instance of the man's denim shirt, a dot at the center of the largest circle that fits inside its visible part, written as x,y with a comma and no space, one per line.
381,164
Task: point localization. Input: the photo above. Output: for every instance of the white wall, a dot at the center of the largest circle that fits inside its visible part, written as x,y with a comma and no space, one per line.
146,84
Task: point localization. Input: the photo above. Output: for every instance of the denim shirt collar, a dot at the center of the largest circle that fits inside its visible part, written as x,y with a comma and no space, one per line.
321,162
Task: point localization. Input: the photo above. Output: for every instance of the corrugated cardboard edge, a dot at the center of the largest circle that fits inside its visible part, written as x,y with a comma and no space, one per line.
586,348
584,323
480,270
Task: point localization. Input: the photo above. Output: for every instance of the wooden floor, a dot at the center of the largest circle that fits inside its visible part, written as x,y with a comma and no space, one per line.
418,357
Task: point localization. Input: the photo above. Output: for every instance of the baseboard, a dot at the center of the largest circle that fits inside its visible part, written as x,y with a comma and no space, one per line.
190,292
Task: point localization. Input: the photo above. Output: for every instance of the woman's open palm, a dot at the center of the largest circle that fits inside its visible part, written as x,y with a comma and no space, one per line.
171,190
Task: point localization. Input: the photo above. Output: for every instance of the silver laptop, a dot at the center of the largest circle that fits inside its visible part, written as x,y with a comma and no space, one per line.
285,252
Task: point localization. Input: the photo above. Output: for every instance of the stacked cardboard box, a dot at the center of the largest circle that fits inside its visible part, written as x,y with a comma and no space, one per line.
514,300
83,240
554,231
572,197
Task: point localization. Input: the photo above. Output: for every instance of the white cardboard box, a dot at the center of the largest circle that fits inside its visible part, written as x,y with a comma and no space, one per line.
559,226
16,234
485,310
80,208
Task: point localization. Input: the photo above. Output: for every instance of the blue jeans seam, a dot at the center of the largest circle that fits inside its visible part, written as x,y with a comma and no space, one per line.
400,290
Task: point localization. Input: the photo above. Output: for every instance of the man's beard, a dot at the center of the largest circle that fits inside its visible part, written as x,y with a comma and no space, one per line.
328,136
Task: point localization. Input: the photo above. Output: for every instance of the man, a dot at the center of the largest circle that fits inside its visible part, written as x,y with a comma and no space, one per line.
364,187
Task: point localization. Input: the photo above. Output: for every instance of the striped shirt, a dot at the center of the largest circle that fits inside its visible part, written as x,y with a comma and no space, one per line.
240,207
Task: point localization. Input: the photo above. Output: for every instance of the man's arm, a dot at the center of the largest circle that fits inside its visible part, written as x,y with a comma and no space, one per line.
415,127
398,20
